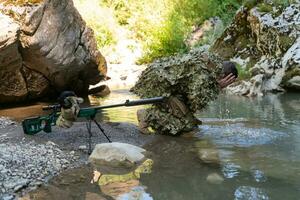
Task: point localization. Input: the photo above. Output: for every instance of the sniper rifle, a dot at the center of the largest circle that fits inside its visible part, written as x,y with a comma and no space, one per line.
34,125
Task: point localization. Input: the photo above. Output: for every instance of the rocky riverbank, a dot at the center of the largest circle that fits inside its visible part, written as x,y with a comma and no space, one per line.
26,162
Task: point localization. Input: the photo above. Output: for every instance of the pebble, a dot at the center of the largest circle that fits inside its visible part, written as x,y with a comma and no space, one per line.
24,165
5,122
82,147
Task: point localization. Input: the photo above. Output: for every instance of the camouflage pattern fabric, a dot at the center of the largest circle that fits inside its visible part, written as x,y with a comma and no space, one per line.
68,116
191,79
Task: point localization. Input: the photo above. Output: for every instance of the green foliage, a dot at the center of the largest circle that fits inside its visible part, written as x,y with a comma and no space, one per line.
181,15
263,7
243,72
100,20
211,35
161,26
104,36
121,9
282,3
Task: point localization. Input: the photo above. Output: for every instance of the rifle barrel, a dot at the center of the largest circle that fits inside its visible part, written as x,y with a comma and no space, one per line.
129,103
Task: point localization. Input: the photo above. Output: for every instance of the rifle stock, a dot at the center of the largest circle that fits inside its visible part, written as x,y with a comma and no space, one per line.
34,125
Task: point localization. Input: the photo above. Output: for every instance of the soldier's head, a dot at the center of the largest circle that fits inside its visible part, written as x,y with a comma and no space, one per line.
229,68
228,75
65,101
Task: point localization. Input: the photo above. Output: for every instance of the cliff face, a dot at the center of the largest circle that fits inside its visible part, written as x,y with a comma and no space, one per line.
265,41
45,46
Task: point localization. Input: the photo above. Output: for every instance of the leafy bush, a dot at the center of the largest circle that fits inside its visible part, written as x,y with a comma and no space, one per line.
161,26
181,16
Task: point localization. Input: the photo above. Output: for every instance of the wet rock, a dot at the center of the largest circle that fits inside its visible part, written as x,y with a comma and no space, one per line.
116,156
214,178
62,54
210,156
100,91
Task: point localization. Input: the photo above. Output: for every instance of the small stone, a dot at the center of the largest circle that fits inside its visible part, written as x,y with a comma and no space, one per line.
209,156
82,147
50,143
214,178
123,77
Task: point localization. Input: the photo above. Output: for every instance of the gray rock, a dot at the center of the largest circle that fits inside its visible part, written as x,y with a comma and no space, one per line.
116,156
214,178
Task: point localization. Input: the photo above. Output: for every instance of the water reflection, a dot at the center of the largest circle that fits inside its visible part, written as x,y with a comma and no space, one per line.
240,135
231,170
119,114
125,186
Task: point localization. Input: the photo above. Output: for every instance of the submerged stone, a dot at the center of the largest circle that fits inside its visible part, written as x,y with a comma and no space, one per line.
214,178
210,156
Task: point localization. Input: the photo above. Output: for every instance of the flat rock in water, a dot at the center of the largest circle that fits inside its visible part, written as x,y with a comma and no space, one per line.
209,156
214,178
111,156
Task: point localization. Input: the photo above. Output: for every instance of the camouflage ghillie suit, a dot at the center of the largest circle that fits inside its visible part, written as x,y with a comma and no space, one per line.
190,79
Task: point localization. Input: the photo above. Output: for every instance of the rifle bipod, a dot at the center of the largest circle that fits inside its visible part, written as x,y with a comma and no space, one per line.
89,128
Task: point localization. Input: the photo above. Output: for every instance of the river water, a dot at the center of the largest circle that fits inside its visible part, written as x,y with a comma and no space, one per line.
255,142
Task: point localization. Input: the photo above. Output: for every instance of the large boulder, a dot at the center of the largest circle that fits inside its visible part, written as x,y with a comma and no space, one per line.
45,45
116,157
264,40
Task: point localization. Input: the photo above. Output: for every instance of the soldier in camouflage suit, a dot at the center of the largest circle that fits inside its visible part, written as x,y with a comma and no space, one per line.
69,109
189,82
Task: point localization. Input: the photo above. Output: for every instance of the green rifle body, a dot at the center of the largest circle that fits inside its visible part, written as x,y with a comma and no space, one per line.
34,125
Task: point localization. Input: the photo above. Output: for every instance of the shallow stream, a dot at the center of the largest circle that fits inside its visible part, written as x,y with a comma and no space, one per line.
257,145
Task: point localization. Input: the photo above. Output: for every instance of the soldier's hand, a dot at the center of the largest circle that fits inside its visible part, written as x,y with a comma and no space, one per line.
227,80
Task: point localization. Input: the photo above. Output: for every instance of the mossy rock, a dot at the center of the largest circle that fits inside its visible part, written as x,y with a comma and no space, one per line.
290,74
265,8
251,3
285,42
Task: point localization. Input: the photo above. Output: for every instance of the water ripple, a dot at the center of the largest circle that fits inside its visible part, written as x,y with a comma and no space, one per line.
240,135
250,193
